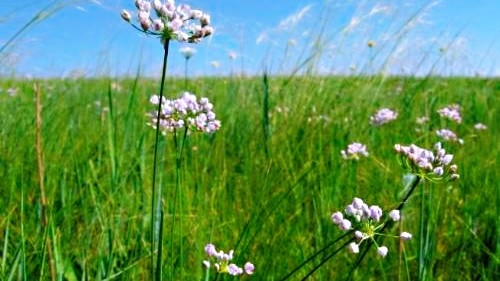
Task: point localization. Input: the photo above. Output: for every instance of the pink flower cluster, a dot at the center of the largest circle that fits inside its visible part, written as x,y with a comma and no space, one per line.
354,151
172,22
433,165
451,112
221,262
365,220
383,116
185,112
449,135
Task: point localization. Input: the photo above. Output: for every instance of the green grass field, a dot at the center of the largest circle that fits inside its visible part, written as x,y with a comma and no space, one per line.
264,185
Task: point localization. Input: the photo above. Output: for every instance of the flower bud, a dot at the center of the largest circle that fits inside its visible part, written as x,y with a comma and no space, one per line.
447,159
205,19
157,6
382,251
405,235
337,217
139,3
207,30
375,213
395,215
357,203
196,14
249,268
438,171
210,250
158,25
345,225
126,15
354,248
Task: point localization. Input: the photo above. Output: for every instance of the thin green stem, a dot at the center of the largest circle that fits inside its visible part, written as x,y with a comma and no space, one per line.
311,258
421,251
155,161
186,73
179,183
327,258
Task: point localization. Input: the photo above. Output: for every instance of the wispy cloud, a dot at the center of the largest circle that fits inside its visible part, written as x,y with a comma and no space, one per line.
81,8
378,9
287,23
293,19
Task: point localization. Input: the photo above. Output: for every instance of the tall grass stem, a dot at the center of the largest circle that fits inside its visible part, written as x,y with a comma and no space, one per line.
41,175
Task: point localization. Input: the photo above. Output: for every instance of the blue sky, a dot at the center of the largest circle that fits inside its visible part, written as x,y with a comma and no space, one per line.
448,37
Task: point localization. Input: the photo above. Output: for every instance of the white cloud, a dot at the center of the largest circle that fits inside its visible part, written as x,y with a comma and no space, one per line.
295,18
261,38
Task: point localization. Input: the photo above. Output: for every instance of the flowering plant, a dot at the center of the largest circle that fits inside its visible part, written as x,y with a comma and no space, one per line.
383,116
451,112
433,165
222,262
172,22
366,221
354,151
185,112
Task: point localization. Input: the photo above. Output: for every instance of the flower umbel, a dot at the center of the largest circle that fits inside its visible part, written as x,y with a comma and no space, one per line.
451,112
365,221
449,135
185,112
480,126
171,22
354,151
222,262
433,165
383,116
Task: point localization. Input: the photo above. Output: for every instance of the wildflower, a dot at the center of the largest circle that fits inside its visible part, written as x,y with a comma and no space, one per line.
405,235
249,268
210,250
12,91
382,251
480,126
448,135
422,120
234,270
172,22
354,150
354,248
365,221
221,262
187,52
434,165
375,213
451,112
126,15
345,224
383,116
337,217
395,215
185,112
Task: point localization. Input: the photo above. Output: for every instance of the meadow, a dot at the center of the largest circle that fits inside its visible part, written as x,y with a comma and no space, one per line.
264,185
318,169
